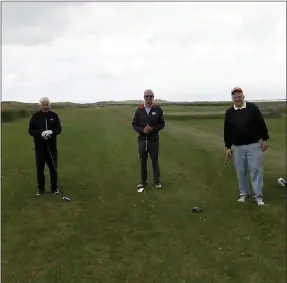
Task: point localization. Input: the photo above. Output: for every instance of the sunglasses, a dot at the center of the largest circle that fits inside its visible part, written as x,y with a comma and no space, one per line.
148,96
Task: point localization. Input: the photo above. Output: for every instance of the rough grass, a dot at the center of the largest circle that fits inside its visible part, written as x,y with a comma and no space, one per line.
183,116
110,233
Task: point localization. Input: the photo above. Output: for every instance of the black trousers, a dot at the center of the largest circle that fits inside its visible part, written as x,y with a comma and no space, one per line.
43,157
150,148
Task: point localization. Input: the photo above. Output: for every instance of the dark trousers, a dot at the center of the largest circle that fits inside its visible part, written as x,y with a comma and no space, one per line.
42,158
150,148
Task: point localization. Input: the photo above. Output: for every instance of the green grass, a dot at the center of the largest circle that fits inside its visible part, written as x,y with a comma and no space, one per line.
212,107
190,109
109,233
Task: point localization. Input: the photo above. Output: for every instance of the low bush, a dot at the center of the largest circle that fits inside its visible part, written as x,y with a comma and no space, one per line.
13,114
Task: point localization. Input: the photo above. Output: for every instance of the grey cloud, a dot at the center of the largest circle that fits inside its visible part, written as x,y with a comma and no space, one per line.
68,59
254,31
239,24
114,51
31,23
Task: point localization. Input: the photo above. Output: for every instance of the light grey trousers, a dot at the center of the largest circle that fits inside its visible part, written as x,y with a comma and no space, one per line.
249,157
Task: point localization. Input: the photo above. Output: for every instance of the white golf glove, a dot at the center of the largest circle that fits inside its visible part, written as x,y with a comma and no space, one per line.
46,134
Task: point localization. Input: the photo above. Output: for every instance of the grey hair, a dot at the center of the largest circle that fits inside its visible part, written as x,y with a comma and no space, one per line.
148,91
44,99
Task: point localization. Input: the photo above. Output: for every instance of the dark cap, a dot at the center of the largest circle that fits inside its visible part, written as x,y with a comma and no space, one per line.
236,89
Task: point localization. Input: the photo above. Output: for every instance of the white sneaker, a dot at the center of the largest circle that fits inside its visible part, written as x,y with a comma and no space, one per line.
141,186
242,199
260,202
157,185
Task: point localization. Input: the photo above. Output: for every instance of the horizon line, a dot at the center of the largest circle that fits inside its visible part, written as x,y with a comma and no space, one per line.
137,100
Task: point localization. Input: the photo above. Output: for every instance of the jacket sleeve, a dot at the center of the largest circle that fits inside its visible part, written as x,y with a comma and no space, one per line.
135,124
58,128
32,129
161,123
227,133
263,130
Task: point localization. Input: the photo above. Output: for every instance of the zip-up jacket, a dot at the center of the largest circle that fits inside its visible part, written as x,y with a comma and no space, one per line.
155,119
42,121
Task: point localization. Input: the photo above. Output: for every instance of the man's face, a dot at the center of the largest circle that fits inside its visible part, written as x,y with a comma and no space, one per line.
148,97
45,106
238,99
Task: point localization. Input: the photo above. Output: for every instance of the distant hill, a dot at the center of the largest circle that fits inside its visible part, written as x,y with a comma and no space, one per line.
21,105
67,104
32,106
110,102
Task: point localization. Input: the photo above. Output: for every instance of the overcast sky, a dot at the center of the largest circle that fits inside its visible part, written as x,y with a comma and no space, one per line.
87,52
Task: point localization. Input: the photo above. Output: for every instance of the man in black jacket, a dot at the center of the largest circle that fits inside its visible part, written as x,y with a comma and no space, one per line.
148,120
246,130
44,126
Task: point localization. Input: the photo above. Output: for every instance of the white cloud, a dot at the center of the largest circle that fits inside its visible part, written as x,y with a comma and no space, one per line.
104,51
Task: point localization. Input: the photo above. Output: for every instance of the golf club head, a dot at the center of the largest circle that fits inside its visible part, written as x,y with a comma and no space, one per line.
66,199
197,209
282,182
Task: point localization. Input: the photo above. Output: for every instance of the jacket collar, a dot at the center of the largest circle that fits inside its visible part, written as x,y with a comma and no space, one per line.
142,106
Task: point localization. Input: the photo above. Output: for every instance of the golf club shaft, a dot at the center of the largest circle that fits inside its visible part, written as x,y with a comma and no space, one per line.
54,168
220,172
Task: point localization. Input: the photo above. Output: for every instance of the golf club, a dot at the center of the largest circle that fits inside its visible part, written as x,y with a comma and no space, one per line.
282,182
200,209
65,198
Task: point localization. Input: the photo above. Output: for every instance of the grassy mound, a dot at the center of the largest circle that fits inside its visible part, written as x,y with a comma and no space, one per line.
13,114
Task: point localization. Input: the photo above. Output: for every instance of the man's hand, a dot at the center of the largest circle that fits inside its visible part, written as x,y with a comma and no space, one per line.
147,129
46,134
264,145
228,153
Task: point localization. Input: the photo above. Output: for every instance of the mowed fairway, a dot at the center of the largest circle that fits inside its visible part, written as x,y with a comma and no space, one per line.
109,233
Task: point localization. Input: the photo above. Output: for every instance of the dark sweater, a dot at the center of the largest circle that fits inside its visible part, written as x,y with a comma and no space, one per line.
244,126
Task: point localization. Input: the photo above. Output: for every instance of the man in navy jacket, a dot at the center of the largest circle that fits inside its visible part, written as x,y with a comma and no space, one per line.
148,121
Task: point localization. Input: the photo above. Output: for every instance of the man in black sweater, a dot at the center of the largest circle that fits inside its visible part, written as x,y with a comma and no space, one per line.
246,130
148,120
44,126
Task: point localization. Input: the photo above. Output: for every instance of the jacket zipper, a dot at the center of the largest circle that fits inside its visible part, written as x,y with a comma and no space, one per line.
46,124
